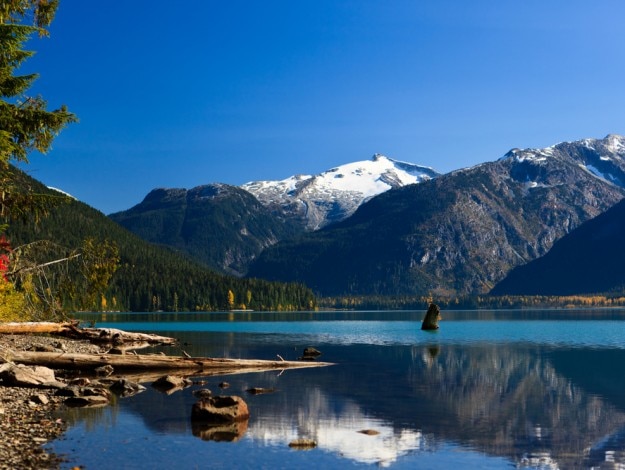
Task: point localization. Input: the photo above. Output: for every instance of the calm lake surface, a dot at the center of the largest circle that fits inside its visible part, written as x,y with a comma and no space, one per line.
490,389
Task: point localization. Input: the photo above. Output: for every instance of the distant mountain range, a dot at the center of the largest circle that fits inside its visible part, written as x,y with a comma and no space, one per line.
227,227
459,233
384,227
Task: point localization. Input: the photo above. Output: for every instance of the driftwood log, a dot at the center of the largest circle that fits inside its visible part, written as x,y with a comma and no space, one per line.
149,362
95,335
23,328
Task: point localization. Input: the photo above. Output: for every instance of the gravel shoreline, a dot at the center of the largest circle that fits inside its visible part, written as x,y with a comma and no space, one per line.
27,419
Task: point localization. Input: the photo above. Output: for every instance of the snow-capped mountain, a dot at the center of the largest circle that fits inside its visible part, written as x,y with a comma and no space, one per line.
602,158
459,233
335,194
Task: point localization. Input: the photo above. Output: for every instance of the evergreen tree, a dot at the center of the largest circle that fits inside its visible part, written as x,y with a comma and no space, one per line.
25,123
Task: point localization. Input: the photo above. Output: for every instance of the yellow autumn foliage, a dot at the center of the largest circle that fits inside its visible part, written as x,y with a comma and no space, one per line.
12,303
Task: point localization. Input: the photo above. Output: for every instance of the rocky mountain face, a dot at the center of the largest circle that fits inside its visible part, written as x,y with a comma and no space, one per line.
316,201
227,227
222,226
459,233
589,260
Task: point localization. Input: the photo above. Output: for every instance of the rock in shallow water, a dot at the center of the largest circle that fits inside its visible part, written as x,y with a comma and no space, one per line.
220,409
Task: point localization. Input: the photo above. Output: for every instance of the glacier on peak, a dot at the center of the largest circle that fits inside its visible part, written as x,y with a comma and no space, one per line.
335,194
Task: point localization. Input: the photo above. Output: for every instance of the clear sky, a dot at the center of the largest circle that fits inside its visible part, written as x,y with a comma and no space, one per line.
184,93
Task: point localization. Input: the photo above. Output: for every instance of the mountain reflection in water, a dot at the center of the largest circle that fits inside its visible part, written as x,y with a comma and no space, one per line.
510,403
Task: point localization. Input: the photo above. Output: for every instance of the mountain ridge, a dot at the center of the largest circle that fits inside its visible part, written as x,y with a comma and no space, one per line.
461,232
226,227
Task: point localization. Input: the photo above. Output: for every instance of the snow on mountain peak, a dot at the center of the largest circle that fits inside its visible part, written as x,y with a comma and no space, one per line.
336,193
602,158
615,143
372,177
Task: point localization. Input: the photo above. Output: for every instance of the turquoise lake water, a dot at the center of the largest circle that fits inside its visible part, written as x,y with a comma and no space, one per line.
490,389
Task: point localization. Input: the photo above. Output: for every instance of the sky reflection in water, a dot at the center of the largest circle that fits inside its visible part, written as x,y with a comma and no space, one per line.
488,393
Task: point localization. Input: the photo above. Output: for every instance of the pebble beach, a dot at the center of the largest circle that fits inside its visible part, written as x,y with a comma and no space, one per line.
27,415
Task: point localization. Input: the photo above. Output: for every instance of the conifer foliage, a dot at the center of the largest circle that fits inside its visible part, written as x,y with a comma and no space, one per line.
25,123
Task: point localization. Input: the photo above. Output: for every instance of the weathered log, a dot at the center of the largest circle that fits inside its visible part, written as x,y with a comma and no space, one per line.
17,328
115,336
95,335
147,362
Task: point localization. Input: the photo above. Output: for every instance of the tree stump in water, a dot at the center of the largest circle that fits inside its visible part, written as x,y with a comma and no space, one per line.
432,316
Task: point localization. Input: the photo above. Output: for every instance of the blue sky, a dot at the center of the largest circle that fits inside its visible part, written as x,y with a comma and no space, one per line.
178,94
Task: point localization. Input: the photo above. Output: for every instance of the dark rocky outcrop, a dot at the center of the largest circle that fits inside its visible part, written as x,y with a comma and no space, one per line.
432,316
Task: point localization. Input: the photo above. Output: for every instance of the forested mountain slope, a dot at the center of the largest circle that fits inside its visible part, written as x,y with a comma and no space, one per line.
152,277
221,226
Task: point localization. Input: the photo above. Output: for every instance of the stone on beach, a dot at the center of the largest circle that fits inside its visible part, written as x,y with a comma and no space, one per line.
28,376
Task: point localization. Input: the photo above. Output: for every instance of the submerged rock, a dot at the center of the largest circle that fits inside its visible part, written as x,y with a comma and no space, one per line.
202,393
432,316
126,388
171,383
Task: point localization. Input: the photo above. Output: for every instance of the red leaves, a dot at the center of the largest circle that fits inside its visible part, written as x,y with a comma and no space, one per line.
5,249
